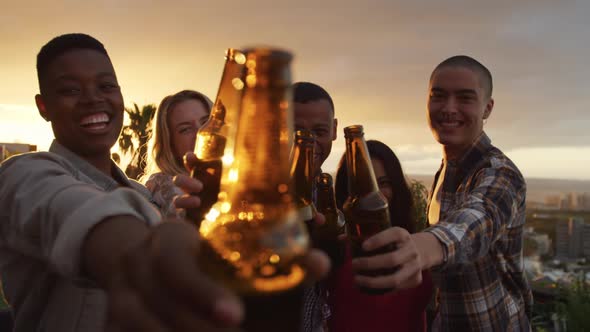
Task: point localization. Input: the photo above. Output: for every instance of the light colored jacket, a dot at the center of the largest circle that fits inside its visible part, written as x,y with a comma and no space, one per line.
49,201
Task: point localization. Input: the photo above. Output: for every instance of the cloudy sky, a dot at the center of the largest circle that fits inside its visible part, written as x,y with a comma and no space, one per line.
373,56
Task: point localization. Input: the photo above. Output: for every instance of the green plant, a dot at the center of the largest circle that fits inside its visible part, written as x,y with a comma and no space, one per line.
575,307
3,303
138,130
420,197
542,314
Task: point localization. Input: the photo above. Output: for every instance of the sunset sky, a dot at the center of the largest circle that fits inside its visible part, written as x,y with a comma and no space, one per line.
374,57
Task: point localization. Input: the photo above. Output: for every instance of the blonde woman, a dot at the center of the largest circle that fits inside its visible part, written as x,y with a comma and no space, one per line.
174,129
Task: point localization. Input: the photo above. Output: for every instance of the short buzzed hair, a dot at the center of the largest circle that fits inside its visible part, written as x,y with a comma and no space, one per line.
306,92
470,63
62,44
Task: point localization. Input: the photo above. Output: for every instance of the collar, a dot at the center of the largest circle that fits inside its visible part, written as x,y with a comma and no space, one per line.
118,177
458,169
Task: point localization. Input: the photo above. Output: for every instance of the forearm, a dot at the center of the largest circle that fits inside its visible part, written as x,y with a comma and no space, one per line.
106,243
429,249
477,220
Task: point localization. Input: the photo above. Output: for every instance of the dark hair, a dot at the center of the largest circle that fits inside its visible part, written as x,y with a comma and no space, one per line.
62,44
472,64
401,207
305,92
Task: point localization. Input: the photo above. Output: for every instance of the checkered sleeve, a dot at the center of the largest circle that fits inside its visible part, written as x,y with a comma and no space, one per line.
479,215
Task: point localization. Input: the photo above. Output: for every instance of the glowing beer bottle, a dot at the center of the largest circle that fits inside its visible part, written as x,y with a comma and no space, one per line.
366,209
212,136
302,173
253,239
325,236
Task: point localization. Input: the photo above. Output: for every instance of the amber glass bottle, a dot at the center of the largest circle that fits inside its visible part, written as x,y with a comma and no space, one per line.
366,209
253,237
326,236
302,175
212,136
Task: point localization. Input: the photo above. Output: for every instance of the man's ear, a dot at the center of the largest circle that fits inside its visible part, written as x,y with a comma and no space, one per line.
488,110
41,107
335,129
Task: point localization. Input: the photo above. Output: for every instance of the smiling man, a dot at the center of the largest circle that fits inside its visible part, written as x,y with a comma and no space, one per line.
313,110
82,249
76,233
81,77
476,212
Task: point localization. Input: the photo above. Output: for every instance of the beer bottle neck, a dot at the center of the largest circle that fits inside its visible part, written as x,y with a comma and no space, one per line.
302,170
326,199
218,112
264,130
230,87
211,140
361,177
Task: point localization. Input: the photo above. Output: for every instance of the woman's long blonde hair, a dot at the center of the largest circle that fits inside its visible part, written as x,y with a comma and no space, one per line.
160,157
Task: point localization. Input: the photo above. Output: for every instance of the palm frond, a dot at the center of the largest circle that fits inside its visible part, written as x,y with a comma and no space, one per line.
135,135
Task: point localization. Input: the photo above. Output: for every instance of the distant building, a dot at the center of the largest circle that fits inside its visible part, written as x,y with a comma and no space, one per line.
577,238
586,237
537,205
583,201
562,236
570,238
553,201
569,201
10,149
542,241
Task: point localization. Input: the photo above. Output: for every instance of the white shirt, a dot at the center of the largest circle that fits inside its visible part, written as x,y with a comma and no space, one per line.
435,202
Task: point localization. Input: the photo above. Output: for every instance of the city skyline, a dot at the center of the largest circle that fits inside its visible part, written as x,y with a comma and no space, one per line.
374,57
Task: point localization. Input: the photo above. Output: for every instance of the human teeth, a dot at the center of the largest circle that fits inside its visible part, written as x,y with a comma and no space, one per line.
450,123
94,118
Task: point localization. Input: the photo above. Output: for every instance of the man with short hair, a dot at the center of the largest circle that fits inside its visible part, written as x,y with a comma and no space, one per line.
313,110
476,212
74,226
76,233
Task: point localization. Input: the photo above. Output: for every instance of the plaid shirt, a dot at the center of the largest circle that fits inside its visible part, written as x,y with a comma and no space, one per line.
482,286
315,306
315,309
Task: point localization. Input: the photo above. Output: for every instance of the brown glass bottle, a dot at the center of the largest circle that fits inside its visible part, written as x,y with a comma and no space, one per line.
366,209
212,136
253,239
302,174
325,237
